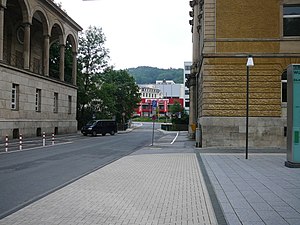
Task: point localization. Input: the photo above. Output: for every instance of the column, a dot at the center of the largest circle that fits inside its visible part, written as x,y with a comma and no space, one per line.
74,68
194,70
62,63
26,50
46,55
193,105
1,31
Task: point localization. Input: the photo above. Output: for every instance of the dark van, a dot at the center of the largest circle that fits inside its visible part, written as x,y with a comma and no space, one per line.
103,127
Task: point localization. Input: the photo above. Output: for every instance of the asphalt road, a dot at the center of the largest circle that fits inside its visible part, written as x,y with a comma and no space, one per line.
28,175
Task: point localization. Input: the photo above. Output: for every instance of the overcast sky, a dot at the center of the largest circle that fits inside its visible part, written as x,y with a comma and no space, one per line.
139,32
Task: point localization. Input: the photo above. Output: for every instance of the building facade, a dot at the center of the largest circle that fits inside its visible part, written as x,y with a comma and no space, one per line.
224,34
154,93
186,74
38,85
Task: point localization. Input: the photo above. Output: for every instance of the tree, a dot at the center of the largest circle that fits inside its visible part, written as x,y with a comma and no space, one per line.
92,60
103,92
179,116
124,93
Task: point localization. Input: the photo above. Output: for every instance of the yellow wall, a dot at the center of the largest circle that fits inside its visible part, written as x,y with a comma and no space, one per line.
223,90
248,19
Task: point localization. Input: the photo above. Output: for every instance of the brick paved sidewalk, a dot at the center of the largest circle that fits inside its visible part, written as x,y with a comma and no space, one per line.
137,189
257,191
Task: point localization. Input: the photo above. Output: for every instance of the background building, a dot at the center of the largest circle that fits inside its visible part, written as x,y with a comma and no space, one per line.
154,92
224,34
38,89
186,74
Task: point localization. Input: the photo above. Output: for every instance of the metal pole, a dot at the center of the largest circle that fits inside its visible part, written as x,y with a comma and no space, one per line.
21,142
44,139
247,112
6,143
153,132
52,138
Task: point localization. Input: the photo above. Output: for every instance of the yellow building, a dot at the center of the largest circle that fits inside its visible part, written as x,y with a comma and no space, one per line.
224,34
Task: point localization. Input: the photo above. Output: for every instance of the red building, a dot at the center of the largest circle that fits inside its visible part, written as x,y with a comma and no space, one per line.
147,106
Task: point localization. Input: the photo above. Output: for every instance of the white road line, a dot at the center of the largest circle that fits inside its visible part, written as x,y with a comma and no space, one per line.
175,138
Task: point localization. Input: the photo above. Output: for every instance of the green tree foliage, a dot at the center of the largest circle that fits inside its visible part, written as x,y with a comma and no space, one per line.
68,62
121,94
54,58
179,116
92,60
148,75
102,91
54,61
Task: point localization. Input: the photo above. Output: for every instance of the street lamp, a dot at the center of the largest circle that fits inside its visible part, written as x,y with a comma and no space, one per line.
249,63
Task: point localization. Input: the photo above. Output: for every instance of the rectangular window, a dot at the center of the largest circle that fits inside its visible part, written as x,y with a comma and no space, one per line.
15,97
291,20
187,104
55,103
69,104
38,94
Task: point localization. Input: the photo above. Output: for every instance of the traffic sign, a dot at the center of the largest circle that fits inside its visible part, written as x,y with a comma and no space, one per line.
154,104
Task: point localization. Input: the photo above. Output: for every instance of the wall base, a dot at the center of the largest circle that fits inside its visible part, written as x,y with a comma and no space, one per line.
231,132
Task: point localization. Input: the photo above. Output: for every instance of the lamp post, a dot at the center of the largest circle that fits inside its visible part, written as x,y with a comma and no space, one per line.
249,64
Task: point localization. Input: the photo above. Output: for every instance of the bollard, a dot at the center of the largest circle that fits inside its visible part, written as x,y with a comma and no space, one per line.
21,142
6,143
44,139
52,138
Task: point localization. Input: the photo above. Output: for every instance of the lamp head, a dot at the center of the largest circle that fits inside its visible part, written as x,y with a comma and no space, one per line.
250,61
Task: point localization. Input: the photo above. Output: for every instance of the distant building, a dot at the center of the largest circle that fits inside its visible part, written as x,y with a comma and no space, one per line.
38,93
154,92
224,33
186,74
163,105
170,89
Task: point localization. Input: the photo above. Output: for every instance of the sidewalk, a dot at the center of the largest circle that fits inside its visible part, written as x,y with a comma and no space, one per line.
176,184
257,191
160,184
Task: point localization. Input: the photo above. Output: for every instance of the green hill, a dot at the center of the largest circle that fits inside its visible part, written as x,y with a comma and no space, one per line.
148,75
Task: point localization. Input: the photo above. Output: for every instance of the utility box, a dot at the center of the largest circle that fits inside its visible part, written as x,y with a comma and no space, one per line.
293,116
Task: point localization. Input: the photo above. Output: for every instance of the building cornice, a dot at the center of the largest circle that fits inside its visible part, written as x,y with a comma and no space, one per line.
255,55
62,14
252,39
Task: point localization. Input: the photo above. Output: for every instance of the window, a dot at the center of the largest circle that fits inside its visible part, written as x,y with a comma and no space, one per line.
38,93
187,67
55,103
291,20
69,104
284,86
15,97
187,104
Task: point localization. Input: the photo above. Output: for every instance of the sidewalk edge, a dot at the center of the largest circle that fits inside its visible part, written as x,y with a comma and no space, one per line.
213,197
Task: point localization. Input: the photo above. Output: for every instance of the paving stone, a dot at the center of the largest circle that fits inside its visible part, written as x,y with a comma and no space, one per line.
137,189
272,191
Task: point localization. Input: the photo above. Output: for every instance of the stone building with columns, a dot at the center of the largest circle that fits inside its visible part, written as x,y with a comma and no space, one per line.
37,82
224,34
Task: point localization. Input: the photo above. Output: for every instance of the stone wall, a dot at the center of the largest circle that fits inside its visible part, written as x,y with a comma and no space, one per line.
26,118
231,30
264,132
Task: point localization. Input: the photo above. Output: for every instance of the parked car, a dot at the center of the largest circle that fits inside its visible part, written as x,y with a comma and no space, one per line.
103,127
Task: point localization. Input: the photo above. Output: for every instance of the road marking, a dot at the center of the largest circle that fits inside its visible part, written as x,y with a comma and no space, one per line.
38,147
175,138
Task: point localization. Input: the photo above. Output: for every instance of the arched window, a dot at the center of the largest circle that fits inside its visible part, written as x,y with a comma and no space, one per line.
284,86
